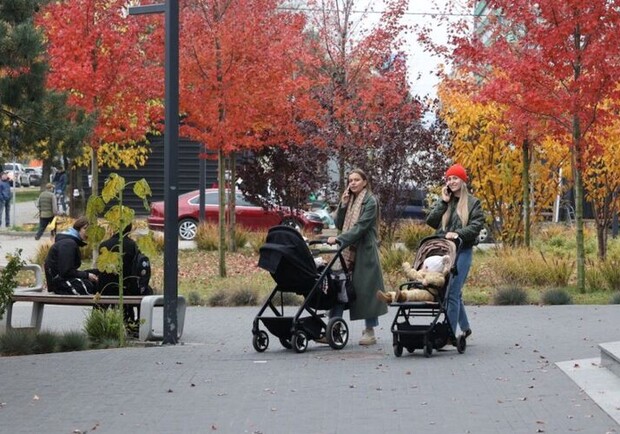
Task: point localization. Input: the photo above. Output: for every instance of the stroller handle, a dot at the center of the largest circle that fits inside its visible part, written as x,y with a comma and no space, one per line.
322,240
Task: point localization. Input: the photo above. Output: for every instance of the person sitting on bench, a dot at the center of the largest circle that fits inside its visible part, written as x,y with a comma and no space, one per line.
108,282
63,262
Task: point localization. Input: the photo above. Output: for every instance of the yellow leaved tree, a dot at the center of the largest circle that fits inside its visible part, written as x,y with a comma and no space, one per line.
484,141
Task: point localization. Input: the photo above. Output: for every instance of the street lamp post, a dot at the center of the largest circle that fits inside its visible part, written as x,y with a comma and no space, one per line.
13,150
171,141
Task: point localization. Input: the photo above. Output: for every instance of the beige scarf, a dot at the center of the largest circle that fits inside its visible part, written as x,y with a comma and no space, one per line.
351,217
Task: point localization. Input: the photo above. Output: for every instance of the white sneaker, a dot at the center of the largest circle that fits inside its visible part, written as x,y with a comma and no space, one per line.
368,337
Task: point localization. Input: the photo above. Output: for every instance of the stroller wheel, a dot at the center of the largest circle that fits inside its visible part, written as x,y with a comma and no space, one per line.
300,341
428,347
398,350
286,343
260,341
337,333
461,344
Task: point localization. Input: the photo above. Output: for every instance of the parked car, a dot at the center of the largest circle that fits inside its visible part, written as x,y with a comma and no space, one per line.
413,205
34,175
17,170
248,215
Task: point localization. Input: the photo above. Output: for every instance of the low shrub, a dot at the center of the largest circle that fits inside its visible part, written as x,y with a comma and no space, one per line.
207,237
411,233
510,296
41,253
256,240
158,239
105,324
556,296
17,342
243,297
559,271
73,341
217,299
595,281
518,266
392,259
610,273
194,299
615,298
45,342
241,236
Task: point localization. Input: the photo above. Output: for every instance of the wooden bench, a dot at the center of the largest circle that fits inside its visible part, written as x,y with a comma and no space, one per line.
147,304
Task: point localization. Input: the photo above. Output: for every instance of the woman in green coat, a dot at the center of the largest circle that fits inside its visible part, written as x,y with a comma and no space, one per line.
357,220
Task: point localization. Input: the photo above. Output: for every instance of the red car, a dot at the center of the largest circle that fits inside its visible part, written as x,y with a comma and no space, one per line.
248,215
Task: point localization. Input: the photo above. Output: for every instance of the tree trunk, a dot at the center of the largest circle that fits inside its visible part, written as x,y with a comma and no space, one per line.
232,245
94,170
221,185
577,164
526,192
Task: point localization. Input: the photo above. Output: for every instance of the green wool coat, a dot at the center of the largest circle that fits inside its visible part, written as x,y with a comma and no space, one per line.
367,276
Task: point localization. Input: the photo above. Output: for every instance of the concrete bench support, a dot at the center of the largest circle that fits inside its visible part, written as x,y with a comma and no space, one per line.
146,332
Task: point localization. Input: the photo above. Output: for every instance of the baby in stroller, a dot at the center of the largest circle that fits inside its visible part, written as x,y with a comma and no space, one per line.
425,282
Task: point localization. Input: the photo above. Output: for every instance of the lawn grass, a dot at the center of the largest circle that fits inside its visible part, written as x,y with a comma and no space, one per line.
29,194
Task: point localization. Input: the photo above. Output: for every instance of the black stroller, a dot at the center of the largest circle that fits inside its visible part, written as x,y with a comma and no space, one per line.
290,262
407,330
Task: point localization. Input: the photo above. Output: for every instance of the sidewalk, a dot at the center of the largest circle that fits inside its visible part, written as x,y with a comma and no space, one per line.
507,380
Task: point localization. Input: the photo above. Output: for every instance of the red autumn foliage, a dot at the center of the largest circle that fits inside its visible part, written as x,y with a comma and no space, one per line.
104,60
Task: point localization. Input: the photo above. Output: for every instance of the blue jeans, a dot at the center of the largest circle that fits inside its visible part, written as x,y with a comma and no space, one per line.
455,307
5,206
338,310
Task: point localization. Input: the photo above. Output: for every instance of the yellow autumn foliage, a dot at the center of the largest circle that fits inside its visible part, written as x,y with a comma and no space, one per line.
483,142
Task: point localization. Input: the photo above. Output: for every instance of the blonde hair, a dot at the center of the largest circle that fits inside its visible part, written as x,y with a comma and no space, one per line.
462,210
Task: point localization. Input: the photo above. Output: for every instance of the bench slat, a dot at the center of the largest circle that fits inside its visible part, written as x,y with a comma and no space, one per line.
82,300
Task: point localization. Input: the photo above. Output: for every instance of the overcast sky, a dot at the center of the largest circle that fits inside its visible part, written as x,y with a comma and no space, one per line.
419,61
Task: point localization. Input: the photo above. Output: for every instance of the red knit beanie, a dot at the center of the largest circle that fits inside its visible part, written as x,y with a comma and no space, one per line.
458,171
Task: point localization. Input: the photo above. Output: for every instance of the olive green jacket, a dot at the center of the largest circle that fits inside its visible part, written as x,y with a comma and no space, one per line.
47,204
469,233
367,276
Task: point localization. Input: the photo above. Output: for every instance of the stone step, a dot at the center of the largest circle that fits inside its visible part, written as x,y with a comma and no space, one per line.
610,357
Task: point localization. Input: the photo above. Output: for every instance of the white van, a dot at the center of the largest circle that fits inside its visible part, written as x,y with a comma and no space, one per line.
17,169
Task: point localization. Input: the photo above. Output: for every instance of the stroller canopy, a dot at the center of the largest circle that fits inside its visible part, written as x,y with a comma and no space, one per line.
436,245
289,260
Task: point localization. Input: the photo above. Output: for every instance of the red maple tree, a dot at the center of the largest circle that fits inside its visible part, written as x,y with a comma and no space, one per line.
111,66
242,85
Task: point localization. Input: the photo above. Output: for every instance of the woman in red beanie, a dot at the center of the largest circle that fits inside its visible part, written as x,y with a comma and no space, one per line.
458,214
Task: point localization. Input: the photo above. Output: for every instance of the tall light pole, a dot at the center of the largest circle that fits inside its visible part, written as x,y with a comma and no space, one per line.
171,142
13,150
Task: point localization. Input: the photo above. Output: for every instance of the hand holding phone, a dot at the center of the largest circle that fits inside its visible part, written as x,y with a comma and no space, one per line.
446,193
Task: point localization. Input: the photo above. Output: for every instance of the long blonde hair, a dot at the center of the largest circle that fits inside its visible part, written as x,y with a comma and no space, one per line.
462,209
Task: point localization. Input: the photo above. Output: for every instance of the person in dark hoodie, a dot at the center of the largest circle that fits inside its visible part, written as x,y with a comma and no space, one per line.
63,262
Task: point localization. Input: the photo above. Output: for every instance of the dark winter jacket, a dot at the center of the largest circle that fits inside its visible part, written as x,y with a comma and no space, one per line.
108,282
63,261
60,181
5,191
469,233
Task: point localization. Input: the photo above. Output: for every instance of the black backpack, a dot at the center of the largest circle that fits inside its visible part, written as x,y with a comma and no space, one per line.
141,271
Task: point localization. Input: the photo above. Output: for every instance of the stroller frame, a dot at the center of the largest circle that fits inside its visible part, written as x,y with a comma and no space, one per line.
307,323
409,334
